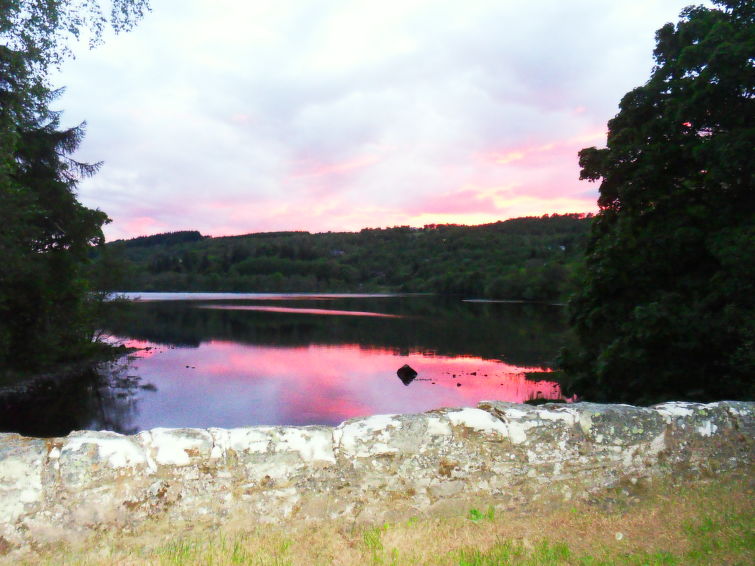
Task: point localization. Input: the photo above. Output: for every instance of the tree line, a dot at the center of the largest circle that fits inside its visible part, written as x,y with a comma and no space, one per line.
520,259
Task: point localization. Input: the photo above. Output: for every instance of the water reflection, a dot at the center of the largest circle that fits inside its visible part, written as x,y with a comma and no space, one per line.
519,334
291,361
299,310
162,296
226,384
104,397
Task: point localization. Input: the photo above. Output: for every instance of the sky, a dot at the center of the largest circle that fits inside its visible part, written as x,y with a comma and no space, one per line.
232,117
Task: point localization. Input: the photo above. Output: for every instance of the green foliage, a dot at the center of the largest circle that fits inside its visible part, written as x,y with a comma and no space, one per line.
514,552
715,533
41,28
666,309
523,258
372,539
477,515
45,233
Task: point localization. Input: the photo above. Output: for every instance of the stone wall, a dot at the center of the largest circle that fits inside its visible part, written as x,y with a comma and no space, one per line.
365,469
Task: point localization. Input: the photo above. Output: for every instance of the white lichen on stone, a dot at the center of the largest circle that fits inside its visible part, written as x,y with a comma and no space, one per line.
15,476
175,447
585,422
116,450
517,431
657,445
477,419
312,445
438,427
674,410
513,413
566,415
219,443
20,479
251,440
707,429
366,437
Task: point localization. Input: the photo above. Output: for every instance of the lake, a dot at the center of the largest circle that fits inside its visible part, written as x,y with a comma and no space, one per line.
230,360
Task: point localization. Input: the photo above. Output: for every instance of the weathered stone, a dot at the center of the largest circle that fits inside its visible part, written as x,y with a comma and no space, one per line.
176,447
82,455
363,469
22,465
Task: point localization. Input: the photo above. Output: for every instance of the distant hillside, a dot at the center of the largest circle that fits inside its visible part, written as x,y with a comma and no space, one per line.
529,258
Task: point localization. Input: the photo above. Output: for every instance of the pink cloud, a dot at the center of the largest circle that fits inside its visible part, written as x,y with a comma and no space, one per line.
323,169
462,201
514,209
143,225
544,153
318,195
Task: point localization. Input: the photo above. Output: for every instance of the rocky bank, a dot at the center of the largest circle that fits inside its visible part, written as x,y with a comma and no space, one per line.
365,469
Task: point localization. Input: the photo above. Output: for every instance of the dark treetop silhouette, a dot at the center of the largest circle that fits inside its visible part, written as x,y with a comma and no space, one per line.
666,307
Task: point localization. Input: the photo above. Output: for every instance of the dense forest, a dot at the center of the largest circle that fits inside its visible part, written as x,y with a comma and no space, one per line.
47,308
523,258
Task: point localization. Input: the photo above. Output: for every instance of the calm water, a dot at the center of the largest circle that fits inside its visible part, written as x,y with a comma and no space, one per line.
229,360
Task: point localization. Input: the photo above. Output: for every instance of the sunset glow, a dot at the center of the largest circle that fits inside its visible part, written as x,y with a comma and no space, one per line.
314,384
354,114
298,310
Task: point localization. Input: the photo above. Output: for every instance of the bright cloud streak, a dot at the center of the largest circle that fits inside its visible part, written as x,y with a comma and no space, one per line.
232,117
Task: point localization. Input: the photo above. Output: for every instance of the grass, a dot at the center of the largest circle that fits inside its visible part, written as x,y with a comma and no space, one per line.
698,522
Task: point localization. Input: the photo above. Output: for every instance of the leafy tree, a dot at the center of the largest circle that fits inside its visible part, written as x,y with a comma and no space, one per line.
45,233
666,309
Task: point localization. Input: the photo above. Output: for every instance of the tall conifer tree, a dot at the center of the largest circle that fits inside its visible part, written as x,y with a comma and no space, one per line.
45,233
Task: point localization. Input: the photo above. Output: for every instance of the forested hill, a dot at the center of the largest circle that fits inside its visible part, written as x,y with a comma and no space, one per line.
529,258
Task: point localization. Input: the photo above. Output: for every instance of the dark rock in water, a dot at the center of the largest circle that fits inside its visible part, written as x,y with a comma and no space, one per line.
406,374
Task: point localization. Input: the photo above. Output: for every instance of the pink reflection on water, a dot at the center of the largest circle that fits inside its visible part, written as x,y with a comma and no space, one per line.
147,296
296,310
229,384
143,348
